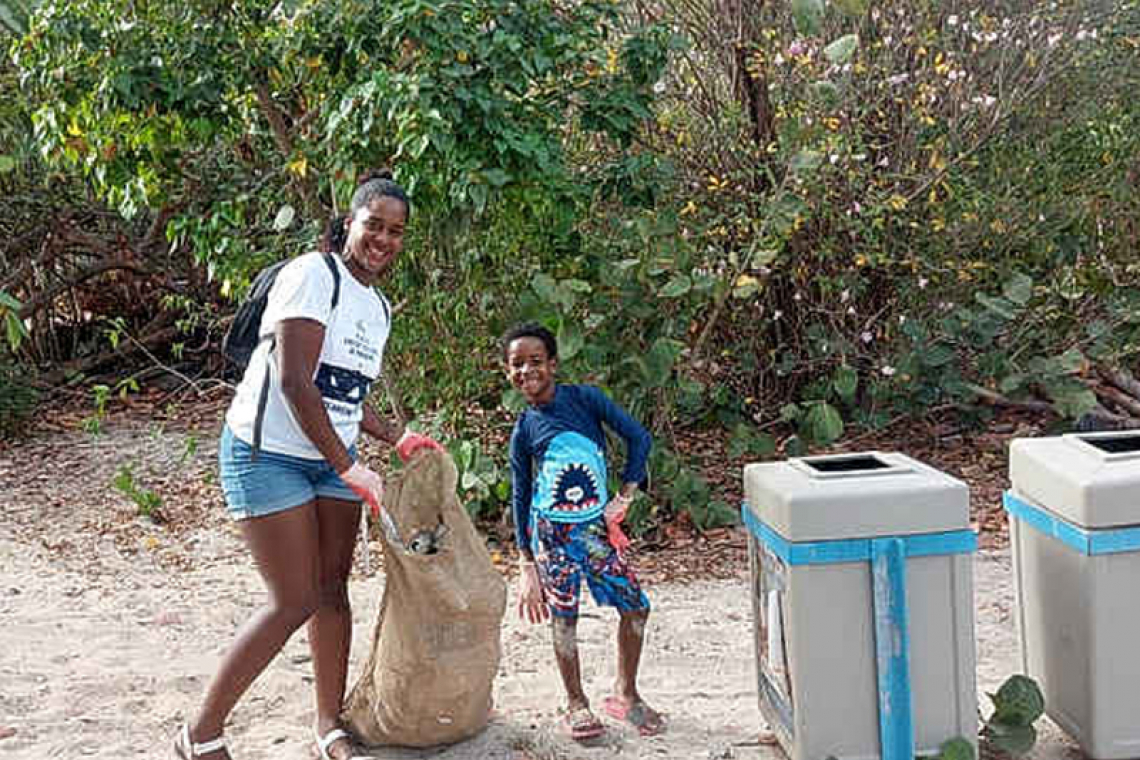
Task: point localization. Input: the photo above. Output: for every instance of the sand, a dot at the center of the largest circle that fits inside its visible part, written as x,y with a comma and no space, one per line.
109,636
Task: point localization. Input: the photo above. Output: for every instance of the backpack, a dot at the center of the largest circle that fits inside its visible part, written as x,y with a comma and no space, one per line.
242,337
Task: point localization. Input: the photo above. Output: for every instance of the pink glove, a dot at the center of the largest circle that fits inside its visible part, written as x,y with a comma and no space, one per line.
614,514
411,442
367,485
617,538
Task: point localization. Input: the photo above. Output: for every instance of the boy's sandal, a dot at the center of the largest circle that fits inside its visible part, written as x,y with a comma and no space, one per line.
326,741
647,721
581,724
188,750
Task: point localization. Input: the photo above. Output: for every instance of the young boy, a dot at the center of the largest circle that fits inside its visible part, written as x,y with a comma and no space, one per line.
566,527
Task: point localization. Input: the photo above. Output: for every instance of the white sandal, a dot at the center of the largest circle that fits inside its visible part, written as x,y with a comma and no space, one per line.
188,750
326,741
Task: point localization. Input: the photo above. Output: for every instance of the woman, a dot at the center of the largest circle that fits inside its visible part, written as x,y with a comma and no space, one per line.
297,498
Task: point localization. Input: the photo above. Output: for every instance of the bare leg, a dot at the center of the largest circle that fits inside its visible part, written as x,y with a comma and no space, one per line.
330,629
627,702
631,637
284,547
565,634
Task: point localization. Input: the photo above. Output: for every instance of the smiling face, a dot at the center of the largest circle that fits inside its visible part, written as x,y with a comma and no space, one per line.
376,236
531,369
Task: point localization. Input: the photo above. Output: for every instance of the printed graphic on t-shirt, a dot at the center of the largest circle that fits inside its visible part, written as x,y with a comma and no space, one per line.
359,346
571,484
343,385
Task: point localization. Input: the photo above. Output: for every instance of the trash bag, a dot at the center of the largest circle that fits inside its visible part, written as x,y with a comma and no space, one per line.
435,648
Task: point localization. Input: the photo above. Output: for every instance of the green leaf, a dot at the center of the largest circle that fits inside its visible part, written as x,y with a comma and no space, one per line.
790,412
578,286
284,218
1072,401
823,423
8,301
7,164
545,287
1071,361
806,160
677,287
1016,740
826,91
999,306
937,355
1018,702
956,749
807,14
570,340
1019,289
840,50
15,329
659,361
845,382
853,8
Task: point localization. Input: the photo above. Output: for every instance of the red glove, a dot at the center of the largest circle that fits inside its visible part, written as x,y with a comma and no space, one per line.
411,442
367,485
614,514
618,539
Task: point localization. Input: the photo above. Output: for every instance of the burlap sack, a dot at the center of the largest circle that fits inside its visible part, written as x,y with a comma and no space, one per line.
435,649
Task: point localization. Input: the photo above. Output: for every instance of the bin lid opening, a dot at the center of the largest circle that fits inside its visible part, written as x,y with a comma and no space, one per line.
1116,444
856,463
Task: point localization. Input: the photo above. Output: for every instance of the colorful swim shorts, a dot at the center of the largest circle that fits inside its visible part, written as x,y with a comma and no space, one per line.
565,552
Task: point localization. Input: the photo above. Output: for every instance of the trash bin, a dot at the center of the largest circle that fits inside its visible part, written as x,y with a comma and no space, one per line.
1074,510
863,609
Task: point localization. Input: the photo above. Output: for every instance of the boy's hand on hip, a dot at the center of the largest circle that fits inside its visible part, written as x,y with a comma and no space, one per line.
532,604
615,513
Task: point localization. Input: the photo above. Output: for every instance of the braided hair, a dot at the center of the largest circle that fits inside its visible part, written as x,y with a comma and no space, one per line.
375,184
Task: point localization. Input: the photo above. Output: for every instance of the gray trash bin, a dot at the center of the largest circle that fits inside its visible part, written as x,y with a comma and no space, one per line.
1074,526
862,592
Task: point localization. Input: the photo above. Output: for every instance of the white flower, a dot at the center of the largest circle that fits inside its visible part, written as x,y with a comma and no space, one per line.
859,157
922,282
887,370
659,87
1054,39
779,59
866,337
797,297
902,319
897,78
833,158
851,311
777,314
845,296
952,21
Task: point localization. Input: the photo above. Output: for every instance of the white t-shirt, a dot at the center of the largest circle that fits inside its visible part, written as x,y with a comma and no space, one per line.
355,334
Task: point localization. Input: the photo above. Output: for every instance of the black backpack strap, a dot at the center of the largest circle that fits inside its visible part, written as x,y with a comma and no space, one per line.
263,396
328,257
262,400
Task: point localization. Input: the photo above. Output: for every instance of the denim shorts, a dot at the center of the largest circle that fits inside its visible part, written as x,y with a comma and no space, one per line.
275,482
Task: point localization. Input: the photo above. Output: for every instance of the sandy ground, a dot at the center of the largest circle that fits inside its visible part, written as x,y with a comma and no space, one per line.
107,642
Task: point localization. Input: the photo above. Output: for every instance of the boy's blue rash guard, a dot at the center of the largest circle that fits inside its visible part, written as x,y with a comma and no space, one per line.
558,457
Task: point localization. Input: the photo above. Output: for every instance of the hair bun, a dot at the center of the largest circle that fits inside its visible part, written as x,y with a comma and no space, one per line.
368,176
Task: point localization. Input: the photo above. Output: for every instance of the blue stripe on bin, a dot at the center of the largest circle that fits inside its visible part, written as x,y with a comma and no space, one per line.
1087,542
888,578
892,648
963,541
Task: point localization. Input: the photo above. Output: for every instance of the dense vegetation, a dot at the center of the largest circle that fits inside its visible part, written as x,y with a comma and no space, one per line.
778,220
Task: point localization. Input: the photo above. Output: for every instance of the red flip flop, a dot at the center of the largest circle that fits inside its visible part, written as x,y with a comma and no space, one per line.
641,716
582,725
